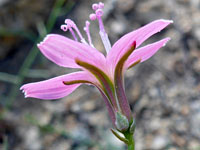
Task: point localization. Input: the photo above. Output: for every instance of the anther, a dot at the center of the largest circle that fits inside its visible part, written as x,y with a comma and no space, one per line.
99,12
69,27
87,23
71,24
64,27
93,17
95,6
101,5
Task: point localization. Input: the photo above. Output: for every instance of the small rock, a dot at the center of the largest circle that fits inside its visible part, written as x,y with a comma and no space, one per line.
96,118
194,144
185,110
179,140
31,139
195,124
160,142
125,5
118,27
62,145
88,105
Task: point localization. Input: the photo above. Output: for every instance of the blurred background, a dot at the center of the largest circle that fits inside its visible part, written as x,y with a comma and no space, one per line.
163,92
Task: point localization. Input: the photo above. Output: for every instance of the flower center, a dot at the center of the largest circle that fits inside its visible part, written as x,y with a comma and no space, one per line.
71,26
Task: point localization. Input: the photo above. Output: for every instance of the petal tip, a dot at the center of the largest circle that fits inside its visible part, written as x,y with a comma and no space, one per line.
167,21
46,38
22,88
26,96
39,45
165,41
168,38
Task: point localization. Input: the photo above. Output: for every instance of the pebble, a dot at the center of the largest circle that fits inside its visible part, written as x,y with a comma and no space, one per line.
125,5
195,122
118,27
98,118
160,142
32,139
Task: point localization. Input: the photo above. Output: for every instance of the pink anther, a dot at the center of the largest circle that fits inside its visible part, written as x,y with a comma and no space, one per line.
68,26
64,28
101,5
93,17
99,12
95,6
87,23
70,23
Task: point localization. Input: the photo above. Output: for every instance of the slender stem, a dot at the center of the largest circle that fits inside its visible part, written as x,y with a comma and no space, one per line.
54,14
131,142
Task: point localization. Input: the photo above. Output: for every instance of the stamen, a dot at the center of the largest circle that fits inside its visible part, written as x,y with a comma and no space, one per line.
98,14
71,24
86,28
73,34
102,32
66,27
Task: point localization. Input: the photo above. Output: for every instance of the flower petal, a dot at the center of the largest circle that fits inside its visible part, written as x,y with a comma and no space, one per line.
138,36
55,88
63,51
145,52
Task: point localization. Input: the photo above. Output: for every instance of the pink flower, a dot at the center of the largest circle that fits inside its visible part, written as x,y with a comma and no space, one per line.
104,72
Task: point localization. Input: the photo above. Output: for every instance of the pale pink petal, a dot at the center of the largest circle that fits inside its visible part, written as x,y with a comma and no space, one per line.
63,51
139,35
145,52
55,88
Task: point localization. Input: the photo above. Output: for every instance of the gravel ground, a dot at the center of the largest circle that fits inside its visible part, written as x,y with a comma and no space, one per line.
163,92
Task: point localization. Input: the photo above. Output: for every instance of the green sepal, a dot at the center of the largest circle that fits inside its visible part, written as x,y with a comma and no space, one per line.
135,63
132,127
121,123
119,81
119,136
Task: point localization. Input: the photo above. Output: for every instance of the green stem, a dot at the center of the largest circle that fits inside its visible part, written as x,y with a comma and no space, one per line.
131,142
